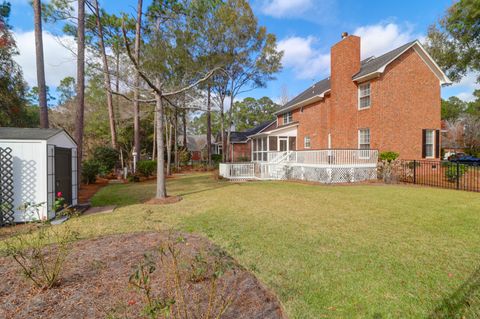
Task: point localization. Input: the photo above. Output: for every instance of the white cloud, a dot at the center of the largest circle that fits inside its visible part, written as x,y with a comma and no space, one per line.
466,86
60,62
315,11
380,38
466,96
300,55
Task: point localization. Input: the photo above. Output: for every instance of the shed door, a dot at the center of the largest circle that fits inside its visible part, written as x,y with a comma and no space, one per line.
63,173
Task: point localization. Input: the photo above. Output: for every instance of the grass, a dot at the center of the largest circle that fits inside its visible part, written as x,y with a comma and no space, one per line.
363,251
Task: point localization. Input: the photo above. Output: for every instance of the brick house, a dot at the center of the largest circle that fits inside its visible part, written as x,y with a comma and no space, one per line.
389,103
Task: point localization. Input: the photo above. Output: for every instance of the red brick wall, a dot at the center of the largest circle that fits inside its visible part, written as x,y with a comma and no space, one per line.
404,100
241,150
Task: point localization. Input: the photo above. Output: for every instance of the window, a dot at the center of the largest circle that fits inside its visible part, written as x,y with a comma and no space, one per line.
429,143
287,118
364,142
306,142
364,96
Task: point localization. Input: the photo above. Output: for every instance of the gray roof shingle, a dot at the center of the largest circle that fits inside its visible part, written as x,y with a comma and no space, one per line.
367,66
20,133
239,137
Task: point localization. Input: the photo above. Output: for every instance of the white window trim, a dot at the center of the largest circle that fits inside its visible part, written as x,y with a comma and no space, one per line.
369,143
433,143
305,142
359,96
286,116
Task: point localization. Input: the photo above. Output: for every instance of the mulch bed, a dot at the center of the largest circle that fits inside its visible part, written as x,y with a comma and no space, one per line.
86,192
94,283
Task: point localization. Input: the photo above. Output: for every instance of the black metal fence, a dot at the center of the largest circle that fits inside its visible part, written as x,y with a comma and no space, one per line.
444,174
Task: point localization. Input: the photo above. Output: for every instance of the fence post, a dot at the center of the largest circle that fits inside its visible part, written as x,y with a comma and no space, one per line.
458,175
414,171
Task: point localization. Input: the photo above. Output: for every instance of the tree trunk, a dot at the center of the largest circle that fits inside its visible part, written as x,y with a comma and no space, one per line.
136,108
42,87
222,129
117,86
230,116
80,83
106,78
184,119
168,132
154,133
175,140
161,187
209,128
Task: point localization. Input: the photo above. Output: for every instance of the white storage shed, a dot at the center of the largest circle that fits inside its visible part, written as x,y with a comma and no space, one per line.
41,162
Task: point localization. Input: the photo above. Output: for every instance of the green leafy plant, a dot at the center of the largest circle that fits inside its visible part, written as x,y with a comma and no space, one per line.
90,170
184,156
41,253
388,156
133,178
216,158
106,157
147,168
452,172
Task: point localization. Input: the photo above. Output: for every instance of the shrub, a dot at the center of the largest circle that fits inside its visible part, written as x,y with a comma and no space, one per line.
451,171
106,157
243,159
184,156
389,156
147,168
42,253
216,158
133,178
90,170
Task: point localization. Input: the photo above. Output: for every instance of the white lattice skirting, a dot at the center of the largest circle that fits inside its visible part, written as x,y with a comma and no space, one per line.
331,174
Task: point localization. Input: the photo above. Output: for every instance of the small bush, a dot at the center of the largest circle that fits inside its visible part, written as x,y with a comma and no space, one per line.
184,156
451,171
133,178
243,159
42,253
147,168
107,158
90,170
216,158
389,156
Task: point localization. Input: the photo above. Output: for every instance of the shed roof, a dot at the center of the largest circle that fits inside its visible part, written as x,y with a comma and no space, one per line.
21,133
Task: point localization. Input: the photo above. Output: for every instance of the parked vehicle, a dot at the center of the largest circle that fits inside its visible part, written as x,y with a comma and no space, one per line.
456,156
465,159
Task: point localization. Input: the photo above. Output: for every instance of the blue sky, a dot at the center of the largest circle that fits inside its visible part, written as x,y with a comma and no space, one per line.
305,30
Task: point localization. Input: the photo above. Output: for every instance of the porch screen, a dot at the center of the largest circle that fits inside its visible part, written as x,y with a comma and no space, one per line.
272,143
292,143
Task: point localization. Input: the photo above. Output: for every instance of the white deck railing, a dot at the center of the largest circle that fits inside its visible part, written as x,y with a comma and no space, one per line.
333,157
237,170
321,165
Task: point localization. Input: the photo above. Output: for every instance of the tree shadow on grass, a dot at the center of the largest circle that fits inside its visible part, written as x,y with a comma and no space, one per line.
463,303
204,189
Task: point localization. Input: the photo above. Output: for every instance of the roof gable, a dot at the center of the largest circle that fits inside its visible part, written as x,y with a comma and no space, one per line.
369,68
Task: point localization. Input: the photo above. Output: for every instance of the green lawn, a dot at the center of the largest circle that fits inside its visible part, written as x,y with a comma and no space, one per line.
327,251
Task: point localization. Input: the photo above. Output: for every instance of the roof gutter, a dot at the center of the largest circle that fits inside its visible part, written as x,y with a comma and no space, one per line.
313,99
444,80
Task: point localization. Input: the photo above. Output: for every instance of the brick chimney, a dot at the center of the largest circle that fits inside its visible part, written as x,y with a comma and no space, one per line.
344,63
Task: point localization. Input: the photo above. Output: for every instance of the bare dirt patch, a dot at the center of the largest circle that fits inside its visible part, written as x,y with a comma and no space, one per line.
164,201
95,282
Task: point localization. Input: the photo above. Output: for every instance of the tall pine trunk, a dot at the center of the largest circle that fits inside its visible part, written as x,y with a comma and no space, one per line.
106,78
222,129
159,110
209,127
168,136
42,87
136,108
80,83
175,140
230,118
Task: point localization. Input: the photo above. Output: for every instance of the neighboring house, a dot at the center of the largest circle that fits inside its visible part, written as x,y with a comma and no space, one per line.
389,103
197,146
453,137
